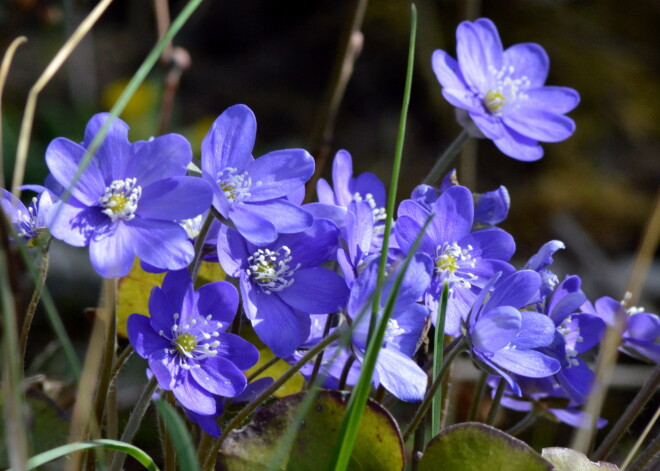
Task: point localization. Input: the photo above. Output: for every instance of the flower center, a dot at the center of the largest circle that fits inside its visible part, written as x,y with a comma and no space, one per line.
27,223
270,269
392,331
120,199
505,90
451,261
185,343
193,341
235,186
571,333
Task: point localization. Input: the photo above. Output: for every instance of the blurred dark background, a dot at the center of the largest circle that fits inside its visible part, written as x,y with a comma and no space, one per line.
594,191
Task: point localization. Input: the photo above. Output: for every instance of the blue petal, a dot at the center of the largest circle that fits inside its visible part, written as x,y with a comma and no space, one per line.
316,290
536,330
286,217
528,363
163,244
115,150
193,396
162,157
111,249
237,350
230,140
478,48
517,290
142,336
255,228
454,213
175,199
220,300
495,329
529,60
518,146
400,375
540,125
220,376
279,173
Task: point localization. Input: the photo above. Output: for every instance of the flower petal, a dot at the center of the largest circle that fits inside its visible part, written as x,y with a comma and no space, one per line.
479,49
517,290
528,60
316,291
193,396
220,300
287,217
111,249
279,173
540,125
73,222
558,100
518,147
162,157
175,199
239,351
220,376
454,213
495,329
400,375
528,363
143,337
230,140
114,152
162,244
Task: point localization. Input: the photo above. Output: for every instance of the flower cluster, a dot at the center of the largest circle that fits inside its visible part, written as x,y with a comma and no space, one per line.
304,270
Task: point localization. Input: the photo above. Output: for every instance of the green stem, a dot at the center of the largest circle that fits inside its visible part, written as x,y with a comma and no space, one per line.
436,408
199,246
120,361
492,412
263,368
36,296
319,358
632,411
169,455
454,349
134,421
479,389
418,446
344,373
446,159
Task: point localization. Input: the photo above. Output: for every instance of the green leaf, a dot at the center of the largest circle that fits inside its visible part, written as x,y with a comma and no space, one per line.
565,459
183,444
114,445
473,446
252,448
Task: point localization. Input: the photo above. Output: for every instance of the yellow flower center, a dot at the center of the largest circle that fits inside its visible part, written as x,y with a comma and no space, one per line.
185,343
446,263
494,101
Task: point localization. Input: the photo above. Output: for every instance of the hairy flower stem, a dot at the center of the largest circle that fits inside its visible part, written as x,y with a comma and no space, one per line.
262,368
134,421
110,322
524,423
199,246
120,361
649,459
36,296
640,440
632,411
446,159
418,446
495,405
479,390
319,358
453,349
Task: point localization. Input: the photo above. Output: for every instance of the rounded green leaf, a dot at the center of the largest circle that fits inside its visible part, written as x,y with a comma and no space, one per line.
474,446
254,447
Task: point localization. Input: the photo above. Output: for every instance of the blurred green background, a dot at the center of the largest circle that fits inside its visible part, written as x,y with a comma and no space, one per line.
594,191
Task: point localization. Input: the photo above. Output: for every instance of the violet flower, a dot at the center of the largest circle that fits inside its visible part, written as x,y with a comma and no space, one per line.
27,222
641,330
502,92
251,192
464,259
504,338
282,283
128,200
185,342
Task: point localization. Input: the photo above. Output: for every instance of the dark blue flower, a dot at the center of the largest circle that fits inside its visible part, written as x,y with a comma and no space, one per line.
282,283
464,259
251,192
503,337
128,200
27,222
502,92
185,342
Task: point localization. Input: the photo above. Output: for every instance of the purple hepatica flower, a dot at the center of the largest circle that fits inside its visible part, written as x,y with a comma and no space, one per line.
490,208
465,260
576,334
641,330
186,345
28,222
503,338
128,200
282,283
503,91
251,192
540,261
395,370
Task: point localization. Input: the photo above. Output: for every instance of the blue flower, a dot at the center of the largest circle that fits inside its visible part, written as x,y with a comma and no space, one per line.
503,337
502,92
464,259
251,192
186,345
129,199
28,222
282,283
641,330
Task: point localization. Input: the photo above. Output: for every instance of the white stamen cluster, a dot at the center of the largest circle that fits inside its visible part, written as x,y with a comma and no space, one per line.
570,332
450,258
505,90
194,340
27,223
270,269
192,226
392,330
120,199
379,213
235,186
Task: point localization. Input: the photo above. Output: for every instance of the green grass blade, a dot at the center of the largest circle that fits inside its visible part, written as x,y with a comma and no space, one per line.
50,455
438,345
183,444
